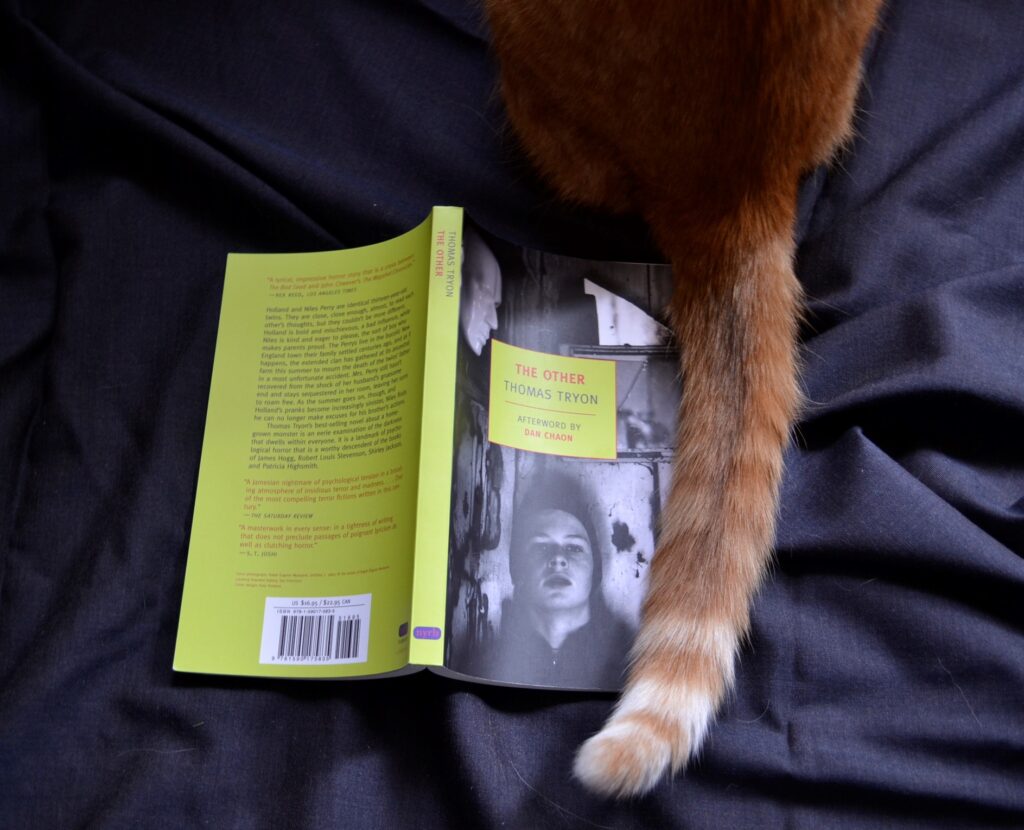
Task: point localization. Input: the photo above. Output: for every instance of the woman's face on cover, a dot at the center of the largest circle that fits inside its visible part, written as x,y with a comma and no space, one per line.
559,561
481,296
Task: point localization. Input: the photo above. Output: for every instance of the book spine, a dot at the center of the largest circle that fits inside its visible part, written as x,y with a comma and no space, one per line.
433,511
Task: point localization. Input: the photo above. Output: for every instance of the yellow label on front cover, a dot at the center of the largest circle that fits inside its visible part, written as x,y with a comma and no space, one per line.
552,404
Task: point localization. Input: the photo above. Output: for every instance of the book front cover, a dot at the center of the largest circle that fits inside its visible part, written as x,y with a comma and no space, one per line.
567,394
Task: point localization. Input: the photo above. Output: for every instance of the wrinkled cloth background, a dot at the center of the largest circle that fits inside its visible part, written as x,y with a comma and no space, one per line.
139,143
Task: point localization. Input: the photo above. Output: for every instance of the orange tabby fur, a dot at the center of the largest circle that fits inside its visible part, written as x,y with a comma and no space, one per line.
700,115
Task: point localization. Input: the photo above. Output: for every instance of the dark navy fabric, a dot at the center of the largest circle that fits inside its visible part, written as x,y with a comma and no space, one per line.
883,685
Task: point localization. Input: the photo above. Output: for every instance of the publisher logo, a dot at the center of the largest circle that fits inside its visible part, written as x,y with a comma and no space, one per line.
426,632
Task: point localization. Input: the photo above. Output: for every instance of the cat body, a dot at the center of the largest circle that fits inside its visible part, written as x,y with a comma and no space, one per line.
700,116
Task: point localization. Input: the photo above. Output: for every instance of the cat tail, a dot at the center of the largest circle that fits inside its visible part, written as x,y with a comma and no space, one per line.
735,314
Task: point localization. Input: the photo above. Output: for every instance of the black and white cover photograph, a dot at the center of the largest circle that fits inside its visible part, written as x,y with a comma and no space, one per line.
549,555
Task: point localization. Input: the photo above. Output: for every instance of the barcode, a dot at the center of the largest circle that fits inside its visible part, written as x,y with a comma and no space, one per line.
315,630
319,638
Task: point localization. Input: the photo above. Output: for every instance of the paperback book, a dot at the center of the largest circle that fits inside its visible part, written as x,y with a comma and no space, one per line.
442,451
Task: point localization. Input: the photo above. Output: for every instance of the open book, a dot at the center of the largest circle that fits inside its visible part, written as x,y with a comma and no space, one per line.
439,451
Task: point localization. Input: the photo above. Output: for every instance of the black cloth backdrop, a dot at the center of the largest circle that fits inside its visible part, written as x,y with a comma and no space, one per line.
884,681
